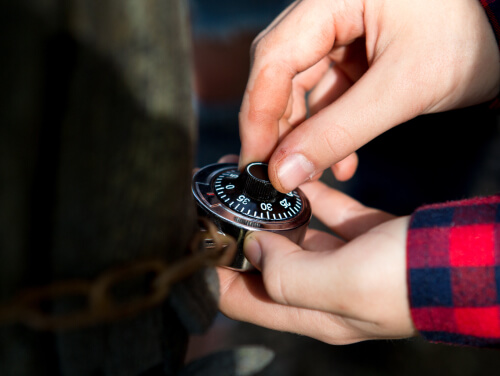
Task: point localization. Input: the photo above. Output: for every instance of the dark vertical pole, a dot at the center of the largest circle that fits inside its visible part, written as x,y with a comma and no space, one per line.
96,142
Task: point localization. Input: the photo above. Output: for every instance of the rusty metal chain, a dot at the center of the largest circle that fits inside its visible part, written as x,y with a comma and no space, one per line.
208,248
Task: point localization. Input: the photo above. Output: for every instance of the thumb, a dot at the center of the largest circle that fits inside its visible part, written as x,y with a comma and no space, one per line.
291,275
375,103
258,244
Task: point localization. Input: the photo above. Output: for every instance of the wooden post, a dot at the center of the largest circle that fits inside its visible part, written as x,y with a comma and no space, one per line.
96,142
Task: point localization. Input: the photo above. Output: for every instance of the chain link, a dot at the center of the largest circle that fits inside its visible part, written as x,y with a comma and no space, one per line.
208,248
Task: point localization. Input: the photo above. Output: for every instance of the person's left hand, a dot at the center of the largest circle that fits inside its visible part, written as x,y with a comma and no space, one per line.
337,291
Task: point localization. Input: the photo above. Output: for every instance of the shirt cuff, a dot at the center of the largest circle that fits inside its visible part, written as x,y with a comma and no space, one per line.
453,271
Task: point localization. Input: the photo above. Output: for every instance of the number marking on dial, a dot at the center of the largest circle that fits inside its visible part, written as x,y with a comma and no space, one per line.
283,207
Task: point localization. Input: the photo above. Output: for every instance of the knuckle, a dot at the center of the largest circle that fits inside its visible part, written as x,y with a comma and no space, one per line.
261,46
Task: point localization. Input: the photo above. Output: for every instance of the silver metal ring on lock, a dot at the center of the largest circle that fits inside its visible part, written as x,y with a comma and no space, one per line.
239,202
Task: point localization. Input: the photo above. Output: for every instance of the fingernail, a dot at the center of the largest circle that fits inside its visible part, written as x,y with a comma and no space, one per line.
294,170
253,252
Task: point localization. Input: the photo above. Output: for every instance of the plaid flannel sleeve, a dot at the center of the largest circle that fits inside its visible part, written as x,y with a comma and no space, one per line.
453,261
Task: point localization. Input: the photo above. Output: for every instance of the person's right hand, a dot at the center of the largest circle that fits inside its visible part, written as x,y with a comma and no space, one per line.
392,60
337,290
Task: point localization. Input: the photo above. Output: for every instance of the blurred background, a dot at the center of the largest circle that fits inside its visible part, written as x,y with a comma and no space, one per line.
433,158
96,152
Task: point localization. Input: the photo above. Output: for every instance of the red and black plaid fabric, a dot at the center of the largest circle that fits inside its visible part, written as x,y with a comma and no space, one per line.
453,260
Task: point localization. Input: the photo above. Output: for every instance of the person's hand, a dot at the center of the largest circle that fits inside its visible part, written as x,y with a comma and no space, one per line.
337,291
370,65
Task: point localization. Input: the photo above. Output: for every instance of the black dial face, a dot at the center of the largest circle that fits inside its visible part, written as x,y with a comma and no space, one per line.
280,208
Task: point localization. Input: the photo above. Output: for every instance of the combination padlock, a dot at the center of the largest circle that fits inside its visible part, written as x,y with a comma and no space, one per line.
238,202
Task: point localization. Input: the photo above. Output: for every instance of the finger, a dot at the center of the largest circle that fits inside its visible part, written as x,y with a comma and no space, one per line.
332,85
349,64
229,158
279,55
316,240
284,126
345,169
303,83
344,215
273,24
351,59
296,110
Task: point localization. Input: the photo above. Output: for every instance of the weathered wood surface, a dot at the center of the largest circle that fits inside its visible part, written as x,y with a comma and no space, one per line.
96,150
